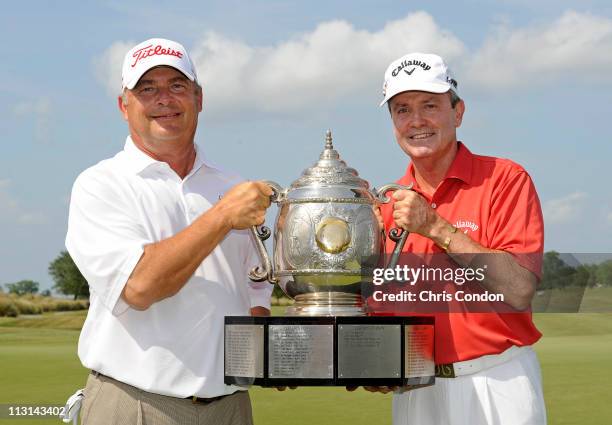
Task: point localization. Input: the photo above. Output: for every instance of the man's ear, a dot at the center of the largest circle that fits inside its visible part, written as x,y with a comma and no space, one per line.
122,107
200,98
459,110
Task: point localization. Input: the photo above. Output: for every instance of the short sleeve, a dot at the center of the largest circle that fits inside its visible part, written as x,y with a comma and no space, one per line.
516,224
104,238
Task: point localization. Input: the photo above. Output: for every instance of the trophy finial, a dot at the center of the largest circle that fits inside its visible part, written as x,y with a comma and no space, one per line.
328,140
329,153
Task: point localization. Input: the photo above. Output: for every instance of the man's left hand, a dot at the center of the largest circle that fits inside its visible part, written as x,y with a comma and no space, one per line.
260,311
413,213
284,388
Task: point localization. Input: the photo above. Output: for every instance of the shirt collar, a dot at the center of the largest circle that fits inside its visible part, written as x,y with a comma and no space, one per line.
136,161
461,167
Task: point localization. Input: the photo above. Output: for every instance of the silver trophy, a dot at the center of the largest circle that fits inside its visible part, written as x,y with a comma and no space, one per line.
325,230
326,240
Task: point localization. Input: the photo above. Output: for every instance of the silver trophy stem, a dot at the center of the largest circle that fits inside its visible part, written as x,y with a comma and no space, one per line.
326,304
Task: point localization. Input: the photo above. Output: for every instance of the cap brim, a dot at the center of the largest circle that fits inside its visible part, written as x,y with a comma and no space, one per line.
159,61
426,87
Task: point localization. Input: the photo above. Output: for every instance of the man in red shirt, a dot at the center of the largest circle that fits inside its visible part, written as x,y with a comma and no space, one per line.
475,209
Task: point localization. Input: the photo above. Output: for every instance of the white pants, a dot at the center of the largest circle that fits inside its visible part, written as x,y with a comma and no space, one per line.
507,394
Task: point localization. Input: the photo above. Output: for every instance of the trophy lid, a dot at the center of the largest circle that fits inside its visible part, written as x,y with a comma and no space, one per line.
329,177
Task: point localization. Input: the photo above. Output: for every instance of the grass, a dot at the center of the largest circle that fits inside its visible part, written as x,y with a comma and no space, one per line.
39,366
68,320
575,355
574,299
597,300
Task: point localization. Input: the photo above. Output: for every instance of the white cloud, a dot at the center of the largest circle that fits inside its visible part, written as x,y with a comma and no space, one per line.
335,60
575,46
39,111
563,210
12,212
107,66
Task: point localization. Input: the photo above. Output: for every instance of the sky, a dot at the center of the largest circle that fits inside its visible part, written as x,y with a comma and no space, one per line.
536,78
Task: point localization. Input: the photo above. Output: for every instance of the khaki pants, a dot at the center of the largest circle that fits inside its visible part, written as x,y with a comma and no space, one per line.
110,402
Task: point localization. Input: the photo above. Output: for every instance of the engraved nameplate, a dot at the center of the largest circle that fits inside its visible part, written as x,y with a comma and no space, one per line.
369,351
244,350
301,351
418,351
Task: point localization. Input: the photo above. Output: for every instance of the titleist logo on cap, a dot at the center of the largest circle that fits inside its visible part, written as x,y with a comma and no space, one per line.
149,50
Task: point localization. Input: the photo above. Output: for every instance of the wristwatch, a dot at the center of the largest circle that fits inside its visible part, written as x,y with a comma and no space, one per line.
447,241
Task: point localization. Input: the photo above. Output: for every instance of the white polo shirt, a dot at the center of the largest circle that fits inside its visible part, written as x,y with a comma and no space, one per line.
175,347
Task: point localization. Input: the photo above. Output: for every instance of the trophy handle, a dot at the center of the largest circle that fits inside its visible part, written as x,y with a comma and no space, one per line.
264,271
398,236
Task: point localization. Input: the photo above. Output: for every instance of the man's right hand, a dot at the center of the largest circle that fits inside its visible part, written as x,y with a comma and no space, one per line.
245,204
167,265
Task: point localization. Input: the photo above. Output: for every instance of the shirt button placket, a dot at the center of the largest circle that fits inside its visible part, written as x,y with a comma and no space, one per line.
190,211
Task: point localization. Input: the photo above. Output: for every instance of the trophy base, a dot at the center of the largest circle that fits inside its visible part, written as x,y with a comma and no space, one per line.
326,304
329,351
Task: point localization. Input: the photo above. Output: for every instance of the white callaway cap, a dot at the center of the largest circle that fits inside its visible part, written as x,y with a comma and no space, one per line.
418,72
155,52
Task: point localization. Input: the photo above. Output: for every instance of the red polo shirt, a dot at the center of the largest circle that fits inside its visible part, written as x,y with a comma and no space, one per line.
495,203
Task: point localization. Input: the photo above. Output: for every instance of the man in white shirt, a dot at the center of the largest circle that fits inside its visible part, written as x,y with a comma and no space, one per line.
162,238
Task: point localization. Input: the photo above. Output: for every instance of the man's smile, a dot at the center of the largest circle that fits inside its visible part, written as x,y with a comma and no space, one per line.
421,136
168,116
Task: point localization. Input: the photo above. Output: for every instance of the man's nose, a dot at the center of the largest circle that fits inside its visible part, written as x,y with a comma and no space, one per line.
164,96
416,119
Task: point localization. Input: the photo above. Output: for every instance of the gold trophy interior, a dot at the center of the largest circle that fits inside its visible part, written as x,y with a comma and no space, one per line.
324,231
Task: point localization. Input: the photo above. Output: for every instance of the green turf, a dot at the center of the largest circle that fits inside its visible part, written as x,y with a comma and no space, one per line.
573,299
575,353
39,366
72,320
597,300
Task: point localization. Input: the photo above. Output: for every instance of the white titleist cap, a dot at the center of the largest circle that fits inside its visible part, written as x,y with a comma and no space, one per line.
155,52
418,72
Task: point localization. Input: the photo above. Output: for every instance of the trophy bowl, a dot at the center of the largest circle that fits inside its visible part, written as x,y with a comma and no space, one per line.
325,236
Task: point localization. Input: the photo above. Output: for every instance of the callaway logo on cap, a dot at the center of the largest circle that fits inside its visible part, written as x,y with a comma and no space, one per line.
418,72
155,52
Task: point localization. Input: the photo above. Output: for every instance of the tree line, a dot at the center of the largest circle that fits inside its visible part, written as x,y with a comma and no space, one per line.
66,275
556,273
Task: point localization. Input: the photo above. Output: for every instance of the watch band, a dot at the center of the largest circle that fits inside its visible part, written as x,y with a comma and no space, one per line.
447,241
